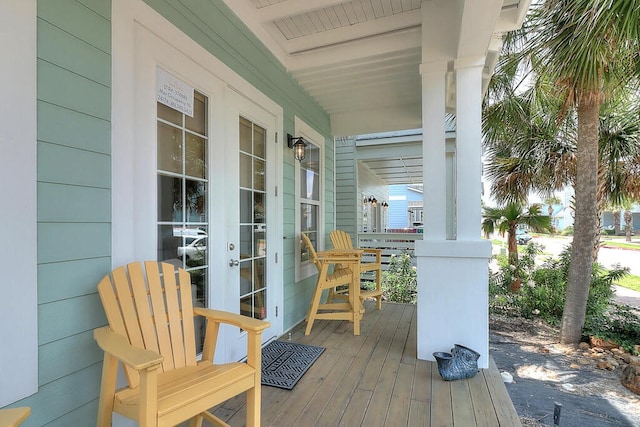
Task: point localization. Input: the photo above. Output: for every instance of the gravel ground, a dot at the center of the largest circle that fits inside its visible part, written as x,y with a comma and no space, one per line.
546,373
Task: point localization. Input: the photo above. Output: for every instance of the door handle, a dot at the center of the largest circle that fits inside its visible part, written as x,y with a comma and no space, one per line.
234,263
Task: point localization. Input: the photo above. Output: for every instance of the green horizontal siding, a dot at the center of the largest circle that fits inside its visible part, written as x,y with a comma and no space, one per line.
59,398
61,126
59,86
63,357
77,417
70,279
70,203
75,55
61,319
74,206
80,20
59,242
64,165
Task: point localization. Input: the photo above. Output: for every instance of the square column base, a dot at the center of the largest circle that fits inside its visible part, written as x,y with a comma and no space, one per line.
453,296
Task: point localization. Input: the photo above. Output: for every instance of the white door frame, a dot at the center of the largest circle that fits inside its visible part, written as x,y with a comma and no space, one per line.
133,206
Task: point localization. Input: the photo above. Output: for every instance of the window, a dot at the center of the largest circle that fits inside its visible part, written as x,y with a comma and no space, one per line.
309,199
182,195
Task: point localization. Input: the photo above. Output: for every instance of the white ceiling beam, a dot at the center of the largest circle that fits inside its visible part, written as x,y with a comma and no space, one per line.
288,8
360,49
353,33
407,57
478,23
371,120
390,151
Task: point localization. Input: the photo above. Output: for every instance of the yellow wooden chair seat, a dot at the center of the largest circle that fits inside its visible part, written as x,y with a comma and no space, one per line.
371,261
190,387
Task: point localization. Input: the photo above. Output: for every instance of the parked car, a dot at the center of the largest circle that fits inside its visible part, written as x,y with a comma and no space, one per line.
195,248
522,237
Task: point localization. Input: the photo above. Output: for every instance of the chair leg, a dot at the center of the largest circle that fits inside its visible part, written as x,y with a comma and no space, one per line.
107,390
379,288
253,406
313,309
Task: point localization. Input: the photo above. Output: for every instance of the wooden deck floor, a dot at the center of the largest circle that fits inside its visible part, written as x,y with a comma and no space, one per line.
375,380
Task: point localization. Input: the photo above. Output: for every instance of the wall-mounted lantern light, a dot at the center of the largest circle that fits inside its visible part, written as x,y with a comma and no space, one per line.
298,146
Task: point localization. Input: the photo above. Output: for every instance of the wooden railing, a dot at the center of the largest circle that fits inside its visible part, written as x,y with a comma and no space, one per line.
390,243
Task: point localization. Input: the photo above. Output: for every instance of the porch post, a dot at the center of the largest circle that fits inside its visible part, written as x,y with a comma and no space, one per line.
469,147
433,147
453,274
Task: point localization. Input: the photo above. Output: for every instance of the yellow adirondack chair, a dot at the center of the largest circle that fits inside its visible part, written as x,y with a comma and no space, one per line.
344,273
13,417
341,240
151,332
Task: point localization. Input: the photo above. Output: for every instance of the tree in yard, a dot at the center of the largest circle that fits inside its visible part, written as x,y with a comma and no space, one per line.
506,220
589,50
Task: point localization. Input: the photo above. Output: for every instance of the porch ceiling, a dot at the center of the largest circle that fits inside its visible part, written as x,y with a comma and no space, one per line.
360,58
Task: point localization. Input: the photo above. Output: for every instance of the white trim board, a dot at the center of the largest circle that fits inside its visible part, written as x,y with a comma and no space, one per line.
18,261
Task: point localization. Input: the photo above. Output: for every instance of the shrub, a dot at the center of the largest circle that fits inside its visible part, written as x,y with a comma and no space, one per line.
544,288
399,281
620,324
568,231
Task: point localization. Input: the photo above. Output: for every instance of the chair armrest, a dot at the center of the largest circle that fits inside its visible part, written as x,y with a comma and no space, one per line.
340,255
13,417
373,251
117,345
245,322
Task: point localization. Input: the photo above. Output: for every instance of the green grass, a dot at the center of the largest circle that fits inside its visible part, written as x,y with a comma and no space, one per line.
624,245
630,281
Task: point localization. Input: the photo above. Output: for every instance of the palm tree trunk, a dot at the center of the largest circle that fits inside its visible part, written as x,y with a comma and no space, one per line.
512,247
616,222
600,207
585,224
628,224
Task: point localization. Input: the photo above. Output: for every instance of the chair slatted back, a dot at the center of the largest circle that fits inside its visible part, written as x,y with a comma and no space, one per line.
153,309
340,239
312,251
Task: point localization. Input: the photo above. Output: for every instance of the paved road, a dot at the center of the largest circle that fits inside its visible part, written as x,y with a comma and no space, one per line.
607,257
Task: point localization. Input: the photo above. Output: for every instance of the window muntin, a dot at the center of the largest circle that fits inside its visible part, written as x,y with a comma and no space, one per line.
253,231
309,206
183,185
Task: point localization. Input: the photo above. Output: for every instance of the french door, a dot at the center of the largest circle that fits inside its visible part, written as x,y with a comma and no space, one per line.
250,204
204,188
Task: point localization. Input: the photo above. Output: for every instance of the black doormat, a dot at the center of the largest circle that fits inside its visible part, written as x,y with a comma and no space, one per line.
284,363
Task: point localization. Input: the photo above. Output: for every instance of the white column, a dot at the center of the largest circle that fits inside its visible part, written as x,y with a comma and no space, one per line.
433,149
453,274
469,147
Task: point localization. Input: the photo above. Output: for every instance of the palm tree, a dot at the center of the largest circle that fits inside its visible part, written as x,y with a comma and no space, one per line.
589,49
507,219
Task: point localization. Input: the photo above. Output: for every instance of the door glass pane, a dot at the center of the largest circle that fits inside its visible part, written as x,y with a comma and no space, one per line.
169,198
196,154
259,141
198,123
245,135
246,172
182,147
169,148
253,231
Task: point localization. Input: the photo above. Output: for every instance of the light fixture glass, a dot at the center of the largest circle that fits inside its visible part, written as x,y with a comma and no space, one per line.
298,144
